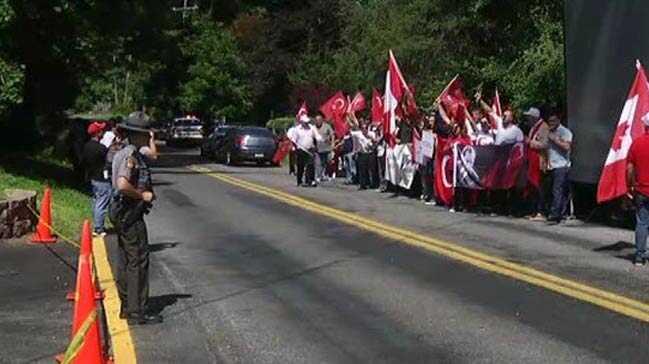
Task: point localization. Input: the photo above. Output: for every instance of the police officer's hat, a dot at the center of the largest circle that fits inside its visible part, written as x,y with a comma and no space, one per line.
136,121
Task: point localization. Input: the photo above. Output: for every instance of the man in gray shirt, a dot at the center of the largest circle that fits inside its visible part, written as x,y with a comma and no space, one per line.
559,146
325,146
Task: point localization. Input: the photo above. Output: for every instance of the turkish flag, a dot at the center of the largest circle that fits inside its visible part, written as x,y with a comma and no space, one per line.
445,171
302,113
612,183
534,159
395,88
334,109
282,151
357,104
454,101
377,107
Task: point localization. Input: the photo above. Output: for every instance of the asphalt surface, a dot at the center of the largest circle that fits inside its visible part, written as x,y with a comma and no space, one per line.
241,278
35,317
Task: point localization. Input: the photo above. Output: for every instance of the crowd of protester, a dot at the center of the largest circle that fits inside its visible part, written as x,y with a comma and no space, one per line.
360,157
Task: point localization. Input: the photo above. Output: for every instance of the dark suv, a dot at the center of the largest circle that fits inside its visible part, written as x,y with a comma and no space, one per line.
244,144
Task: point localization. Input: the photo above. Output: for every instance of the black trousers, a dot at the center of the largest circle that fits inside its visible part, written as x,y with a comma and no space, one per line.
133,274
305,167
363,169
375,180
292,161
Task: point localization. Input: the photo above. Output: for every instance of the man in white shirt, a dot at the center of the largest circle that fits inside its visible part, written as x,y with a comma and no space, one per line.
305,138
507,132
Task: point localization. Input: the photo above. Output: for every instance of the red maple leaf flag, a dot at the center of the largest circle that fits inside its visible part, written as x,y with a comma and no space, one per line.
357,104
454,101
334,109
612,183
302,113
377,107
395,88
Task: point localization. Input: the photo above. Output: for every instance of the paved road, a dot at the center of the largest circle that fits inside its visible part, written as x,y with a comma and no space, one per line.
245,279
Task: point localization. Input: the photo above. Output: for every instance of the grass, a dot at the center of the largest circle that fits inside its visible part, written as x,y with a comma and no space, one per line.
70,199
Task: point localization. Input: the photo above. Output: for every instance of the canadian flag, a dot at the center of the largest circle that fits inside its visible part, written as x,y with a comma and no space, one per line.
377,107
612,183
395,88
357,104
302,113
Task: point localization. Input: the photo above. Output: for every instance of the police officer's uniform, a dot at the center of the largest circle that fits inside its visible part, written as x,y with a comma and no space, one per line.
128,217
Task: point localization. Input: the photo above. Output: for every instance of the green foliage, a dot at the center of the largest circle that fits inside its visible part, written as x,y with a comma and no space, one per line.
252,59
11,73
215,83
281,124
70,201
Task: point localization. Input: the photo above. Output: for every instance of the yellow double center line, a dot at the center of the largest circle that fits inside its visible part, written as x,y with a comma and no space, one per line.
608,300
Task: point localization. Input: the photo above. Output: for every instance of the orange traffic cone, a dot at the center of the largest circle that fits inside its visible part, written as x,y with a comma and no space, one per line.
86,250
91,350
43,232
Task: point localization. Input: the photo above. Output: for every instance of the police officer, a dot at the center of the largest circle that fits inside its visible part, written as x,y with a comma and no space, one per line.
131,178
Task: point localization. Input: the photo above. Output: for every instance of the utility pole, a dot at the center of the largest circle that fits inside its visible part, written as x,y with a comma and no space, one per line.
185,9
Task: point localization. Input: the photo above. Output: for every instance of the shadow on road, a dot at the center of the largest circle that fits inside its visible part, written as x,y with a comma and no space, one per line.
157,304
619,246
158,247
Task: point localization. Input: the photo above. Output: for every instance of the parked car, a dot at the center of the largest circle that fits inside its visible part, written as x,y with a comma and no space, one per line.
212,142
187,130
247,144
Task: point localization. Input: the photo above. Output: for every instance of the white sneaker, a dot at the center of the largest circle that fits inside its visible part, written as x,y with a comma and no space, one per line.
430,203
451,210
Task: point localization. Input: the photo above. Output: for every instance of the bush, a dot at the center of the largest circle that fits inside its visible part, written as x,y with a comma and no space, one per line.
280,125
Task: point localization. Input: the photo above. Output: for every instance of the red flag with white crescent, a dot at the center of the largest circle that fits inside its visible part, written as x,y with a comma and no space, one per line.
357,104
377,107
454,101
612,183
444,171
335,109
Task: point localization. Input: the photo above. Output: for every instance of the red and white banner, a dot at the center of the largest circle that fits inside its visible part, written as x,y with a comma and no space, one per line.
612,183
335,109
377,107
395,88
302,113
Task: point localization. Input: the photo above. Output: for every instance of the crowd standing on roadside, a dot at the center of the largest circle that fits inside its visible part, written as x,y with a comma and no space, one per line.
360,156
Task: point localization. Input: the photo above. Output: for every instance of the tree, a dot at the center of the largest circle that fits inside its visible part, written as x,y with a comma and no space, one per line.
11,73
216,77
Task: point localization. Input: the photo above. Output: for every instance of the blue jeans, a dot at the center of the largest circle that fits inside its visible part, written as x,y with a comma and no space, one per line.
350,167
101,194
321,165
642,224
559,193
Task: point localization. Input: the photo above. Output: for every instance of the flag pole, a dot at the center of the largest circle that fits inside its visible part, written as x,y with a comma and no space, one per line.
447,87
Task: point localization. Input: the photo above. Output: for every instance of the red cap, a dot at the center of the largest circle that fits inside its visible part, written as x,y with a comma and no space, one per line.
96,127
